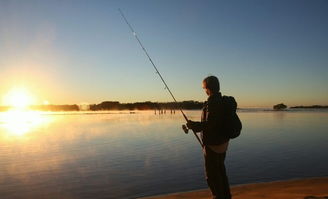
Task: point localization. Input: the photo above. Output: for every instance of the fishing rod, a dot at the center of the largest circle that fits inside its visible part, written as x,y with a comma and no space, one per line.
161,77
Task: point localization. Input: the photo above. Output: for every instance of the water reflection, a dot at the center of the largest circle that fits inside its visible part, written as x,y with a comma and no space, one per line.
125,155
18,122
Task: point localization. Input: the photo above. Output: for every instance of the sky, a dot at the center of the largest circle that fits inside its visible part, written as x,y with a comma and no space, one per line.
70,52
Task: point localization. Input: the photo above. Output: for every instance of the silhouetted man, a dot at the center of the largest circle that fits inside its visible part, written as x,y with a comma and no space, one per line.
215,143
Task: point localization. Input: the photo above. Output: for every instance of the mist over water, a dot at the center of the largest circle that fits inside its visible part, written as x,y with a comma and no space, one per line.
132,155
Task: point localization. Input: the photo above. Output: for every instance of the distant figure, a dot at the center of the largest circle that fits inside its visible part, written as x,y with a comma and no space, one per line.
215,144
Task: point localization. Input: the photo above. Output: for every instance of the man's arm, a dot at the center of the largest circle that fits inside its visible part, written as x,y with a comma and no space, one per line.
213,119
195,126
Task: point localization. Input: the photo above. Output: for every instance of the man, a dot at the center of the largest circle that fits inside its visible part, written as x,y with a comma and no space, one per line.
214,141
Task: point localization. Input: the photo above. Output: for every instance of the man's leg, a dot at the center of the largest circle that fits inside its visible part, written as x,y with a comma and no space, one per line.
222,178
216,174
210,170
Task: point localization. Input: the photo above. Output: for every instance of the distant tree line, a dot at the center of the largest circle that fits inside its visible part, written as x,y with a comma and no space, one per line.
52,107
313,106
283,106
115,105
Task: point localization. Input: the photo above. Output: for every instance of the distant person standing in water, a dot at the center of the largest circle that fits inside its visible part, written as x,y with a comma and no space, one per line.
214,141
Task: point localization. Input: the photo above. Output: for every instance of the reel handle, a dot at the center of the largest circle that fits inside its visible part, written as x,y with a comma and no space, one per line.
185,129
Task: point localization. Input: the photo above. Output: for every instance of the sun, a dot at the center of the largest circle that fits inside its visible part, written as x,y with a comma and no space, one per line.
18,98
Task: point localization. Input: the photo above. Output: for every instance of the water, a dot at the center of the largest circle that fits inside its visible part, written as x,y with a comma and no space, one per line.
142,154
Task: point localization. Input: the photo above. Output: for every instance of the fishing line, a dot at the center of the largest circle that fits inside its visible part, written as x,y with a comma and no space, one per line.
159,74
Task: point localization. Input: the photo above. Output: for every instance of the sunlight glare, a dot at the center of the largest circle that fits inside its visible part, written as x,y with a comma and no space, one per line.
18,98
19,123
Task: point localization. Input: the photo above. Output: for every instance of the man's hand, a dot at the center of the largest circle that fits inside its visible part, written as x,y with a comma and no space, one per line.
191,124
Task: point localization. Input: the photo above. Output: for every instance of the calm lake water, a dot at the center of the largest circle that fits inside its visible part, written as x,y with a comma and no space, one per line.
133,155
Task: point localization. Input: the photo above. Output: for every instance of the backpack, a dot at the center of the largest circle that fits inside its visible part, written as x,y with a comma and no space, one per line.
232,123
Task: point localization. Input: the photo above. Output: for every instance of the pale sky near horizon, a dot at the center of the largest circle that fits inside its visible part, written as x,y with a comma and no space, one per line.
264,52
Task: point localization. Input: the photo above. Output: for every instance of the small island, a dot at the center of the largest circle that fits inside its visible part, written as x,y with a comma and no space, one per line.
279,107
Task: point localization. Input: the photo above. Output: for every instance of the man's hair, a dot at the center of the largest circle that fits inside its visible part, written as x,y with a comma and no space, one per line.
212,83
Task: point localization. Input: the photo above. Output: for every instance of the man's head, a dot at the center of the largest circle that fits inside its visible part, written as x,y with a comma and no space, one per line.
211,85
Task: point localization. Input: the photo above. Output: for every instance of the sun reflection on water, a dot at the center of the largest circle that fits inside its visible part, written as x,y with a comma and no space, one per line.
20,122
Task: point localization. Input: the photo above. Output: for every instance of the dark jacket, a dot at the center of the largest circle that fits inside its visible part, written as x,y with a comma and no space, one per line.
211,125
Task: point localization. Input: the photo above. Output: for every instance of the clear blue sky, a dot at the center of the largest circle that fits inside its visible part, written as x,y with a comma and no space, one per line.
264,52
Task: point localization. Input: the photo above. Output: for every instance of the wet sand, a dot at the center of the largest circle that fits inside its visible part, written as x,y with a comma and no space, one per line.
311,188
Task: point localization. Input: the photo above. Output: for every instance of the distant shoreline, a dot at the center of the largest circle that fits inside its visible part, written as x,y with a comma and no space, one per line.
313,107
138,106
117,106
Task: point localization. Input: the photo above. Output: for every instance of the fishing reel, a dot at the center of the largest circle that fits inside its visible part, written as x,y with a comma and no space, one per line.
185,129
